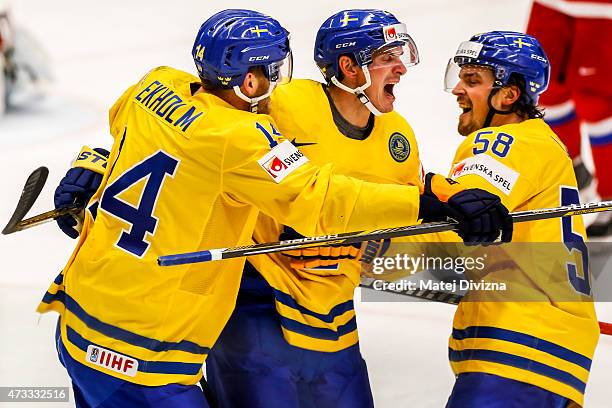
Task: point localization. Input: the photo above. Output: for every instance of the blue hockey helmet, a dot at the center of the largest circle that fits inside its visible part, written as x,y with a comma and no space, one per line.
506,53
359,33
232,41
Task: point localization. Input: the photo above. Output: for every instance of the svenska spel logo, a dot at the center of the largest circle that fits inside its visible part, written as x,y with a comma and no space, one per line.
274,166
390,34
458,169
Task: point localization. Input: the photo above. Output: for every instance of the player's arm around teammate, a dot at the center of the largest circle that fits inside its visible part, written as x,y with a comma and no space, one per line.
303,306
190,168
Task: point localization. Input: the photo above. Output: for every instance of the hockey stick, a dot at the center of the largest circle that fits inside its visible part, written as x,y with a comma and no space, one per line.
31,190
448,298
605,328
353,237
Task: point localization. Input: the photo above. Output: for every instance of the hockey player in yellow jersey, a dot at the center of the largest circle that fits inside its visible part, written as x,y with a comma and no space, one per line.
190,168
521,352
300,304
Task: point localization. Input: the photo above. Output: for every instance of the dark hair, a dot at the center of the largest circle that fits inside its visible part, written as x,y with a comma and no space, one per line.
524,106
208,85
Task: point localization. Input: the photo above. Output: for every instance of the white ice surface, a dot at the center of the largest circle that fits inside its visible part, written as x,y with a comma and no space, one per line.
98,49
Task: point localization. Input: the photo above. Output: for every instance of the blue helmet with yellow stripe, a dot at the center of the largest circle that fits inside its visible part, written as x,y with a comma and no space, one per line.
232,41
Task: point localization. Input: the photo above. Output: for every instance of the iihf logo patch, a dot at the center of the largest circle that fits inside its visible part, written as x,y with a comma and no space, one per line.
94,355
111,360
399,147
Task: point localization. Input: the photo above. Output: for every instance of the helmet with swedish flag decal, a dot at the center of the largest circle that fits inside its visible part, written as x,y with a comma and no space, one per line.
361,34
507,53
232,41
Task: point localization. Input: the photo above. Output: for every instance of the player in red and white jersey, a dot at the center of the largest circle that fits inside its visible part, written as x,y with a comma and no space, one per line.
577,36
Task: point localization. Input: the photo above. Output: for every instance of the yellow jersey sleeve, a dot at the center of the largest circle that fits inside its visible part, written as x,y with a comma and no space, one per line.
313,200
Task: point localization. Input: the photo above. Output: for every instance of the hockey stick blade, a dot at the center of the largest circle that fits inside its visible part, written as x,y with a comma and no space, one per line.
31,190
33,186
353,237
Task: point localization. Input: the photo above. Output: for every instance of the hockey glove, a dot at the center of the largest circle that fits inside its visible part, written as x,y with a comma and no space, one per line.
318,256
78,186
480,214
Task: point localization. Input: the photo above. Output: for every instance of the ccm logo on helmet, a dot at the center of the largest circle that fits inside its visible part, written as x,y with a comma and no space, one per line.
539,58
346,44
260,58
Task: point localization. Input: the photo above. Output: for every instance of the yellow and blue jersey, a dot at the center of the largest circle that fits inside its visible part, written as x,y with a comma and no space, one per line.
189,172
316,305
549,339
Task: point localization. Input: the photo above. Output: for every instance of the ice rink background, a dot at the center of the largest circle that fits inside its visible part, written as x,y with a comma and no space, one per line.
98,49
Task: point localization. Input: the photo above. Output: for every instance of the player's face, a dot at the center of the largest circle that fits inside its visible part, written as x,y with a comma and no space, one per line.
386,69
472,92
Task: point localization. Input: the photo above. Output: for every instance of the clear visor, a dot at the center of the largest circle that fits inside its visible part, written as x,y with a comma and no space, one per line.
467,75
401,52
280,72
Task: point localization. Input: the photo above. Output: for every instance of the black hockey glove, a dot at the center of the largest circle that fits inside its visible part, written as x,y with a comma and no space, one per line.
481,215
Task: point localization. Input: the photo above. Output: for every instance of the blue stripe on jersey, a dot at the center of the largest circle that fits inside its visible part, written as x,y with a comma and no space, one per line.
336,311
59,278
50,297
518,362
487,332
122,334
159,367
601,140
319,332
561,120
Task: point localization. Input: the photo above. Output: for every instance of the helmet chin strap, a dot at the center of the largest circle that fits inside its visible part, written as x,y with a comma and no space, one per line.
492,110
254,102
360,90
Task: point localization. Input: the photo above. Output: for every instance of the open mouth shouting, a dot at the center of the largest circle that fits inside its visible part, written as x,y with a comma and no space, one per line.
388,89
465,107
